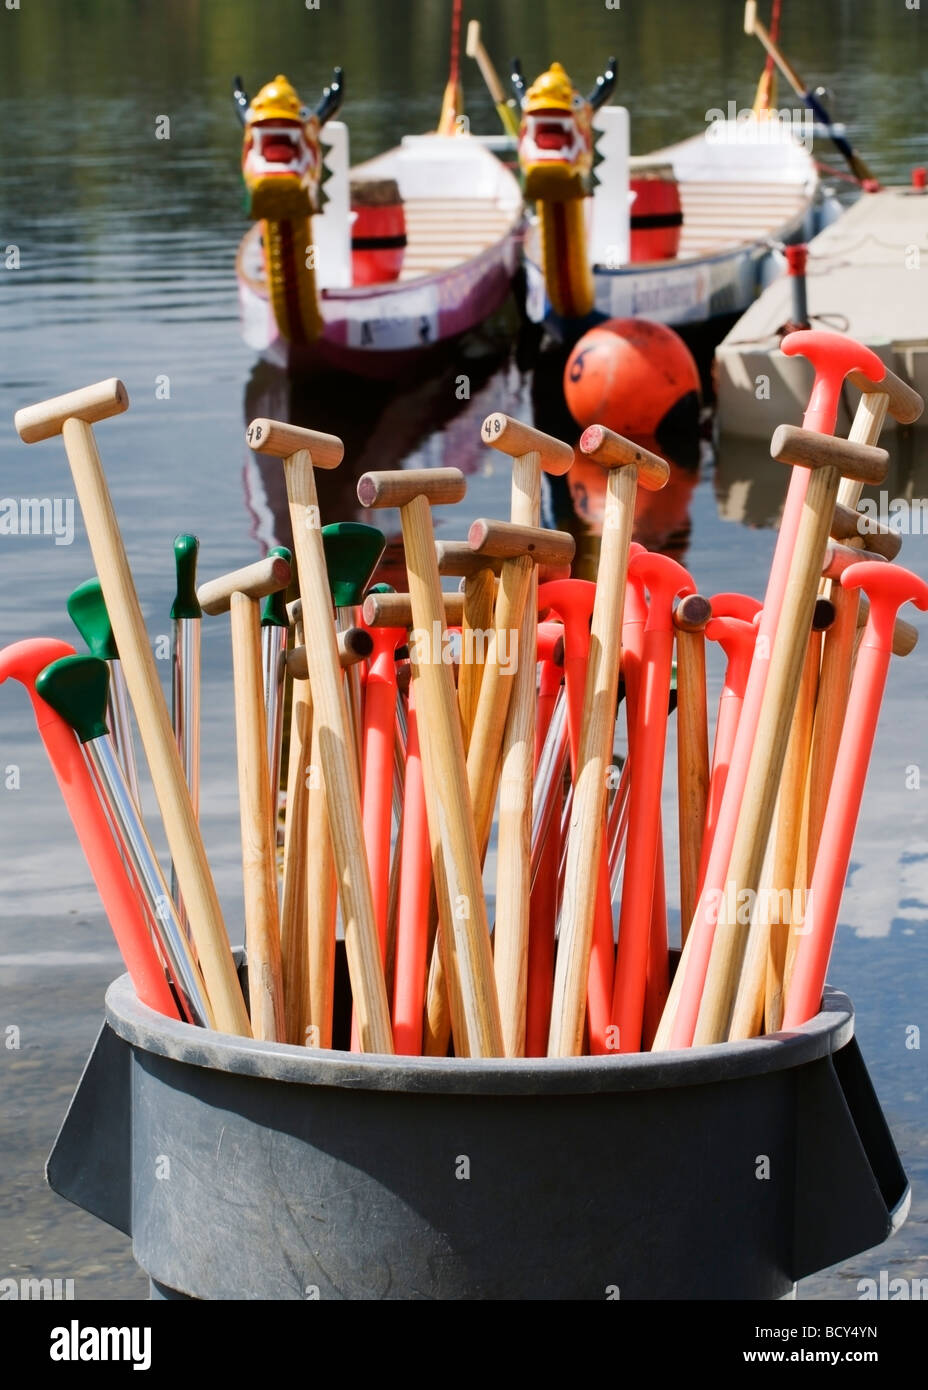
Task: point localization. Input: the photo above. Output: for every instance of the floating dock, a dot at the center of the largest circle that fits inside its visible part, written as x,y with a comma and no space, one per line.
867,276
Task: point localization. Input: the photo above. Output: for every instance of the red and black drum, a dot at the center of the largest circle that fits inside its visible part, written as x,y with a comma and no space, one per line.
378,232
657,214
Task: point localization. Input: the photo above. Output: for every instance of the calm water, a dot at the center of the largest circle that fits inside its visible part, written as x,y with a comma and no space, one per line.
127,245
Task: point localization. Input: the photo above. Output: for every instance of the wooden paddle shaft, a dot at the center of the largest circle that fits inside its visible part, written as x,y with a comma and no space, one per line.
532,452
792,787
477,617
434,688
339,769
749,1005
321,901
791,828
504,729
677,1027
690,618
834,688
445,771
766,947
444,1013
294,897
752,25
505,657
500,673
476,50
443,1009
584,843
836,665
514,832
259,868
194,879
779,700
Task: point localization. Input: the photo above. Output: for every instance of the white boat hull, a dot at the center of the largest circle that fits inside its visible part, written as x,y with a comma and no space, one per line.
739,198
464,228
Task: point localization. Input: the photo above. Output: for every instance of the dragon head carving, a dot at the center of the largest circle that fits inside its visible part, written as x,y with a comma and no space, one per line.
281,150
556,133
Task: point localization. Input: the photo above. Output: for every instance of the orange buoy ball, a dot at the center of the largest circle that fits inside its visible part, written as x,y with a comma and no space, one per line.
631,375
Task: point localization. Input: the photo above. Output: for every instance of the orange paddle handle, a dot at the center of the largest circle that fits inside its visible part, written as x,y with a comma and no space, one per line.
413,913
377,800
657,985
543,903
650,725
834,853
116,891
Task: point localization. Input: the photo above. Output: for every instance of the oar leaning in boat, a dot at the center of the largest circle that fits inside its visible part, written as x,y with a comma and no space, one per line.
475,49
859,169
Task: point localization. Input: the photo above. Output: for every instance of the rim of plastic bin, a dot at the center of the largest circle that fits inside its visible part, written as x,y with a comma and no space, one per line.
151,1032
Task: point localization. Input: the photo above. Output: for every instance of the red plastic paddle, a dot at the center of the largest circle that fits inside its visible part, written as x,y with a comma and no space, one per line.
23,661
543,902
888,587
378,742
378,746
834,357
413,911
664,579
550,650
736,637
657,979
572,601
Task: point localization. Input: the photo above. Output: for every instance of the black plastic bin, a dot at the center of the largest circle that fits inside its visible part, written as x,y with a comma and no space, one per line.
246,1170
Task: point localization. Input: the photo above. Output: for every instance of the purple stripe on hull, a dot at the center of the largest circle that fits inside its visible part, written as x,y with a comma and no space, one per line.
383,331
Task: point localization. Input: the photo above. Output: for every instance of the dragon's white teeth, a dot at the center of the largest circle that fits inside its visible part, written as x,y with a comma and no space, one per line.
546,124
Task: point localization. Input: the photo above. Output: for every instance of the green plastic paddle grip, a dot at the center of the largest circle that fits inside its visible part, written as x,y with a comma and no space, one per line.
87,612
274,612
185,605
76,687
352,553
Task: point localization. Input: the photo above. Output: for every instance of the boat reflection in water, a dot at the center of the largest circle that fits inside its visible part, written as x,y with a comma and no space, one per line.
750,487
434,422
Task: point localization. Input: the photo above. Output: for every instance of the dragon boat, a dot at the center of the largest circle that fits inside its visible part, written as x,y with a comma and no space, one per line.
366,269
681,236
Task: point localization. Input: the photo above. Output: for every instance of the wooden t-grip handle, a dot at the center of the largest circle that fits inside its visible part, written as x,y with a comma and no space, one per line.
809,449
905,404
89,403
611,450
516,438
255,581
283,441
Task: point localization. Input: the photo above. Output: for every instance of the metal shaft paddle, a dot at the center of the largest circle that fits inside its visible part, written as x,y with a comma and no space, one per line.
76,688
87,610
274,631
352,554
186,616
23,662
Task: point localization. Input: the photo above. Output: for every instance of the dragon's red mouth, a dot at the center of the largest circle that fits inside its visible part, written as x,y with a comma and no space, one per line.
279,146
279,151
552,135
